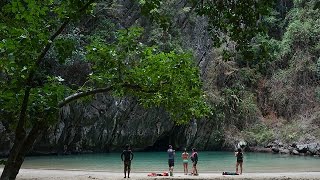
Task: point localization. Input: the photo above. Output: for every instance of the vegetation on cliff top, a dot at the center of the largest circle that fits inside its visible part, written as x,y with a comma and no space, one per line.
284,88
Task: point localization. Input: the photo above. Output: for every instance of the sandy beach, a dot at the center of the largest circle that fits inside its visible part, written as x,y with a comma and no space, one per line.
41,174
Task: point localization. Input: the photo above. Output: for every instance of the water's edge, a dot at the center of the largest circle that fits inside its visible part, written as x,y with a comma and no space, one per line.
209,161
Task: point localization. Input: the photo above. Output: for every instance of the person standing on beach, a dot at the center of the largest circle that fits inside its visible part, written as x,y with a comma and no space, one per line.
185,157
126,157
171,154
239,156
194,159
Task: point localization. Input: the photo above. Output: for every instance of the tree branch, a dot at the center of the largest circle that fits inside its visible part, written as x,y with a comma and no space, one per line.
83,94
79,95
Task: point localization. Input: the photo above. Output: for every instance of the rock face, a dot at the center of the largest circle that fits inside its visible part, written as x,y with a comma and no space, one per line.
107,124
300,149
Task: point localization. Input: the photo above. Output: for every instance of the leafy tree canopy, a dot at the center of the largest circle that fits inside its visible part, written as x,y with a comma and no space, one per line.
166,79
124,66
240,20
240,24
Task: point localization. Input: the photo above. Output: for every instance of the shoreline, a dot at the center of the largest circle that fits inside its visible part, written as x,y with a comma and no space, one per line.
45,174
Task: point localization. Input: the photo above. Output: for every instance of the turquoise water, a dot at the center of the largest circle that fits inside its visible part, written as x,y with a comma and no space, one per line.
209,161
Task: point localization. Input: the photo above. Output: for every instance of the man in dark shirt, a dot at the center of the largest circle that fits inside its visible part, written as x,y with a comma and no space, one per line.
126,157
171,154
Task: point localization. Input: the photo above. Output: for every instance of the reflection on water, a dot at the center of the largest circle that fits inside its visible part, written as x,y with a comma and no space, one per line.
209,161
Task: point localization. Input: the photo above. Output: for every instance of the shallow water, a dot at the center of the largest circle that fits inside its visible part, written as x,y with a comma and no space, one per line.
209,161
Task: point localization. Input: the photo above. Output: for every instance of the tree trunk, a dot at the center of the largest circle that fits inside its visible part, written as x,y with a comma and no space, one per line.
19,150
23,143
11,161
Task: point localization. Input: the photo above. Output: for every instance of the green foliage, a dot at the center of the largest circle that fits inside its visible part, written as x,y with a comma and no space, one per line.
149,6
303,28
118,60
291,132
247,77
239,20
177,81
296,78
26,27
274,22
164,40
111,61
152,9
281,84
232,93
240,107
43,101
168,80
259,135
260,54
248,108
241,23
64,48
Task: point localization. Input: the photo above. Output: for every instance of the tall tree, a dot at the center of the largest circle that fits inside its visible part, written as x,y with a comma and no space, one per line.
123,66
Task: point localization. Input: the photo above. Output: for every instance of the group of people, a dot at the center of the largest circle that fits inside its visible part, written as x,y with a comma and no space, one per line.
185,159
127,157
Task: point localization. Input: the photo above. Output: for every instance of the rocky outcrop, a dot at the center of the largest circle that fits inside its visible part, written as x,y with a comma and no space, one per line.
294,149
107,124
